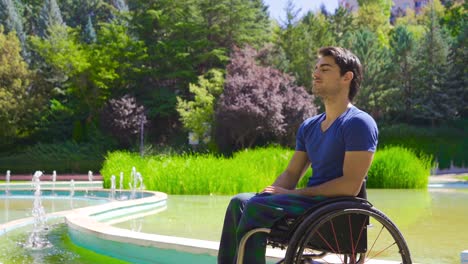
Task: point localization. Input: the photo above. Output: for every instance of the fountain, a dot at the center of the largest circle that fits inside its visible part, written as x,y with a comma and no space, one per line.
90,176
45,238
90,179
122,197
136,183
112,192
54,179
133,183
7,178
140,180
72,188
37,238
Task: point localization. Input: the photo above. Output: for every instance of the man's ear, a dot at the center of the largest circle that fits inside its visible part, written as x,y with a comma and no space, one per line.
348,76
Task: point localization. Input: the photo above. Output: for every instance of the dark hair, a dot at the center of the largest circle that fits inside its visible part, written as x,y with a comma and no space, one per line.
347,61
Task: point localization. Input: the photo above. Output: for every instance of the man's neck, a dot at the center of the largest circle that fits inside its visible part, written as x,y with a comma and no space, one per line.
334,108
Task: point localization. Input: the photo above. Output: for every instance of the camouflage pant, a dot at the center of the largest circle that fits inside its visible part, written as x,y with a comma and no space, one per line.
247,211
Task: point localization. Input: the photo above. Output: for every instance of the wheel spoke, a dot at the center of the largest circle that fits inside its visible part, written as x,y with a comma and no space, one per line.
373,244
351,228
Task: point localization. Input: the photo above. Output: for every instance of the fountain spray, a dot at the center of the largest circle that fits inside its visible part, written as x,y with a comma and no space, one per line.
37,238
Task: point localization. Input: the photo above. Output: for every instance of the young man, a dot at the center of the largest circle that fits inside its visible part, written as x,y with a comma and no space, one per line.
339,145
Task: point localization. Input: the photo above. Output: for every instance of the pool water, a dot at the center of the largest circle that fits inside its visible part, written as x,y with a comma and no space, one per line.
62,251
12,208
434,222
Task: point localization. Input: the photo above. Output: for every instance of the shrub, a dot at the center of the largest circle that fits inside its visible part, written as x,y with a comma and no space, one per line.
123,117
398,167
64,157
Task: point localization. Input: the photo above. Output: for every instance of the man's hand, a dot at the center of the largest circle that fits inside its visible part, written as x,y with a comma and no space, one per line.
277,190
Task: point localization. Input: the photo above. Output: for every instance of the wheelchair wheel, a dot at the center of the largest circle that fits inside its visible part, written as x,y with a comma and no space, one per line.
350,233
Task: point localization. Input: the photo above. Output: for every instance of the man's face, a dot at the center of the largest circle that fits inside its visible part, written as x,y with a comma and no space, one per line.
326,78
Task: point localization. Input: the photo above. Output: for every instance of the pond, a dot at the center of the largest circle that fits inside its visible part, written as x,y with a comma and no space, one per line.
433,222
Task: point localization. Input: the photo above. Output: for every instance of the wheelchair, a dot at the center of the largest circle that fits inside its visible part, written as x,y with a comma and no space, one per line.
347,230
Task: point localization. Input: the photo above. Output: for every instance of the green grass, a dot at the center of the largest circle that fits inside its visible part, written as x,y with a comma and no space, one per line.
398,167
246,171
249,170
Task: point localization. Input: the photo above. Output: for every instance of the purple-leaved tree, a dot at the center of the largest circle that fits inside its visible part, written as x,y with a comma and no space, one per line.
123,118
259,104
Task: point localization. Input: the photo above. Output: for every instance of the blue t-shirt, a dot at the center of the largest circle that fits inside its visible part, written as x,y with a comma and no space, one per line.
354,130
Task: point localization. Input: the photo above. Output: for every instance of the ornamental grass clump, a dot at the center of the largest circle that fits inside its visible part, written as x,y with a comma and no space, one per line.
246,171
399,168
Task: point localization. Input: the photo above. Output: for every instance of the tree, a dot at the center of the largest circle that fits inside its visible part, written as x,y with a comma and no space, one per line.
11,20
434,102
123,117
75,13
258,104
198,115
457,77
49,16
120,5
14,82
375,16
341,22
375,61
89,34
301,42
235,22
402,97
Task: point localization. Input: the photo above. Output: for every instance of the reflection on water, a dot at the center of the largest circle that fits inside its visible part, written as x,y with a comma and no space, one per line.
433,222
16,208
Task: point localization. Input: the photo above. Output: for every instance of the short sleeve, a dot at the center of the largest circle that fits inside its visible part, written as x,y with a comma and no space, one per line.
361,133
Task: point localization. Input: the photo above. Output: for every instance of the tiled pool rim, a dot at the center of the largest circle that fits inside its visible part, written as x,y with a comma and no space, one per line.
91,227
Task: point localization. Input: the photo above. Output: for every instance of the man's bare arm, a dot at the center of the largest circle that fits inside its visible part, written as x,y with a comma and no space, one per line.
355,167
297,166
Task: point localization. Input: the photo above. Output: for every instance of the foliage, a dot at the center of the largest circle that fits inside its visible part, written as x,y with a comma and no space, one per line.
258,103
447,143
235,22
14,81
247,171
374,15
301,42
375,61
11,20
402,94
250,170
198,115
341,22
87,73
67,156
434,100
89,34
49,16
123,117
75,13
154,50
398,167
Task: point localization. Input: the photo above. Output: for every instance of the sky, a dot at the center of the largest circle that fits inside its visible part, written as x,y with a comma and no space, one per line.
276,7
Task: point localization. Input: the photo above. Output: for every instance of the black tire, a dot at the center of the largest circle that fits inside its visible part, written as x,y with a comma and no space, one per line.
316,234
